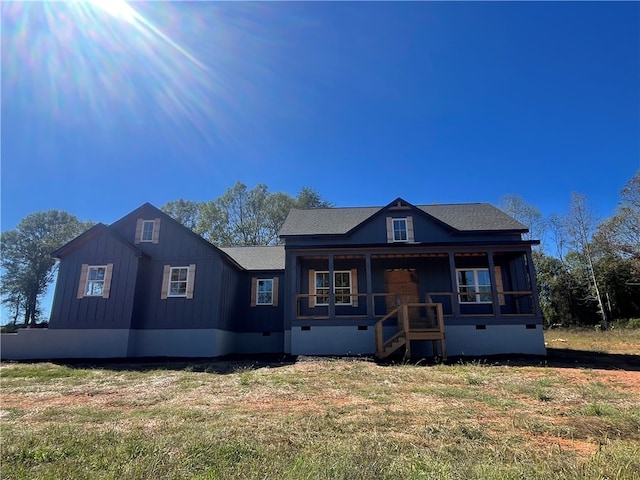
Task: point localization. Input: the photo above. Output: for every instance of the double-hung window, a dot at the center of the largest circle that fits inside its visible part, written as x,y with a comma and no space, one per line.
95,281
178,282
264,291
474,285
400,230
147,231
341,288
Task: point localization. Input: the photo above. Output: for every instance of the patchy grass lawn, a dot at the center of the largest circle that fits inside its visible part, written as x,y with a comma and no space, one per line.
617,341
324,419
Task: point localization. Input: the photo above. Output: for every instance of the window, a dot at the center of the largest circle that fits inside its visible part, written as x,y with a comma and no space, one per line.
399,229
341,288
178,281
95,281
147,231
264,291
474,285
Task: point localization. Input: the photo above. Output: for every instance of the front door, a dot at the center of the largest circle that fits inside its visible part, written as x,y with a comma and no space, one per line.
403,284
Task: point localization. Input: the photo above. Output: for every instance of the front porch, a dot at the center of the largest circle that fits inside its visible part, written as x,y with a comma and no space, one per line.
409,298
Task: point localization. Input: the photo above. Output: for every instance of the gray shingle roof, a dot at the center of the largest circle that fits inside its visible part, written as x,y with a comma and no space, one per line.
463,217
467,217
257,258
325,221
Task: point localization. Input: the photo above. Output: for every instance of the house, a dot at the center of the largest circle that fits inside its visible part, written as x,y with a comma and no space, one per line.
416,280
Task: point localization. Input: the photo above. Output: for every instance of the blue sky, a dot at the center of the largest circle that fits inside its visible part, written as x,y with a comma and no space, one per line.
104,109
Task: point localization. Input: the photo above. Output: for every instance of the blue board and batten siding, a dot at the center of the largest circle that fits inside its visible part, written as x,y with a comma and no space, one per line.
115,312
219,308
264,319
218,314
470,237
426,231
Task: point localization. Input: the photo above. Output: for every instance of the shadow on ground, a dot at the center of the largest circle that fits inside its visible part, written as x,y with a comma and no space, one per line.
220,365
560,358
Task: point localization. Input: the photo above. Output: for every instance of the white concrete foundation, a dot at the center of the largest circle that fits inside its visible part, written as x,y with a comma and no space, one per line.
494,340
331,340
43,344
464,340
181,343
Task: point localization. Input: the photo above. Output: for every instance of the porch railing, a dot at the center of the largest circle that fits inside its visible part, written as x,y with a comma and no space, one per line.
511,303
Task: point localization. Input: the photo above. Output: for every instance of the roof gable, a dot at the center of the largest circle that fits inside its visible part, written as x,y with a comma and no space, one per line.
147,210
464,217
94,232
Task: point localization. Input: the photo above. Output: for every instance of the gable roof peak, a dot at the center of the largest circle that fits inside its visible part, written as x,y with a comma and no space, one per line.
87,235
399,204
460,217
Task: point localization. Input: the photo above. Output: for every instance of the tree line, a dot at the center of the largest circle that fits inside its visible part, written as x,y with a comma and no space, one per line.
588,270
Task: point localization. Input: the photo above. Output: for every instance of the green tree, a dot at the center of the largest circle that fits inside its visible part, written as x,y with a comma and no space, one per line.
620,234
580,227
617,276
187,212
618,243
242,216
27,266
529,215
552,281
309,198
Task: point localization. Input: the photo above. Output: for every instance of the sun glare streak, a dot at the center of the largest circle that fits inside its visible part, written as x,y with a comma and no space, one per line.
106,64
116,8
121,10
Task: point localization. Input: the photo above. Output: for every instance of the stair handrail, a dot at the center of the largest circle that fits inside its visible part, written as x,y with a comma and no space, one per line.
380,332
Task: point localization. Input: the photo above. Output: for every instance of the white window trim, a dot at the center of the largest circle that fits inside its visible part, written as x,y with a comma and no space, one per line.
84,281
258,302
406,230
409,229
335,272
155,236
166,281
186,282
476,286
274,291
88,281
153,227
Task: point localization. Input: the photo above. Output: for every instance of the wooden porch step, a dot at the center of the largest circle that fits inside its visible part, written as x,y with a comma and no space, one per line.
425,335
392,346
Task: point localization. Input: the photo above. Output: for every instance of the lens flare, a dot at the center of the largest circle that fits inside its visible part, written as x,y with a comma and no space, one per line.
179,67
